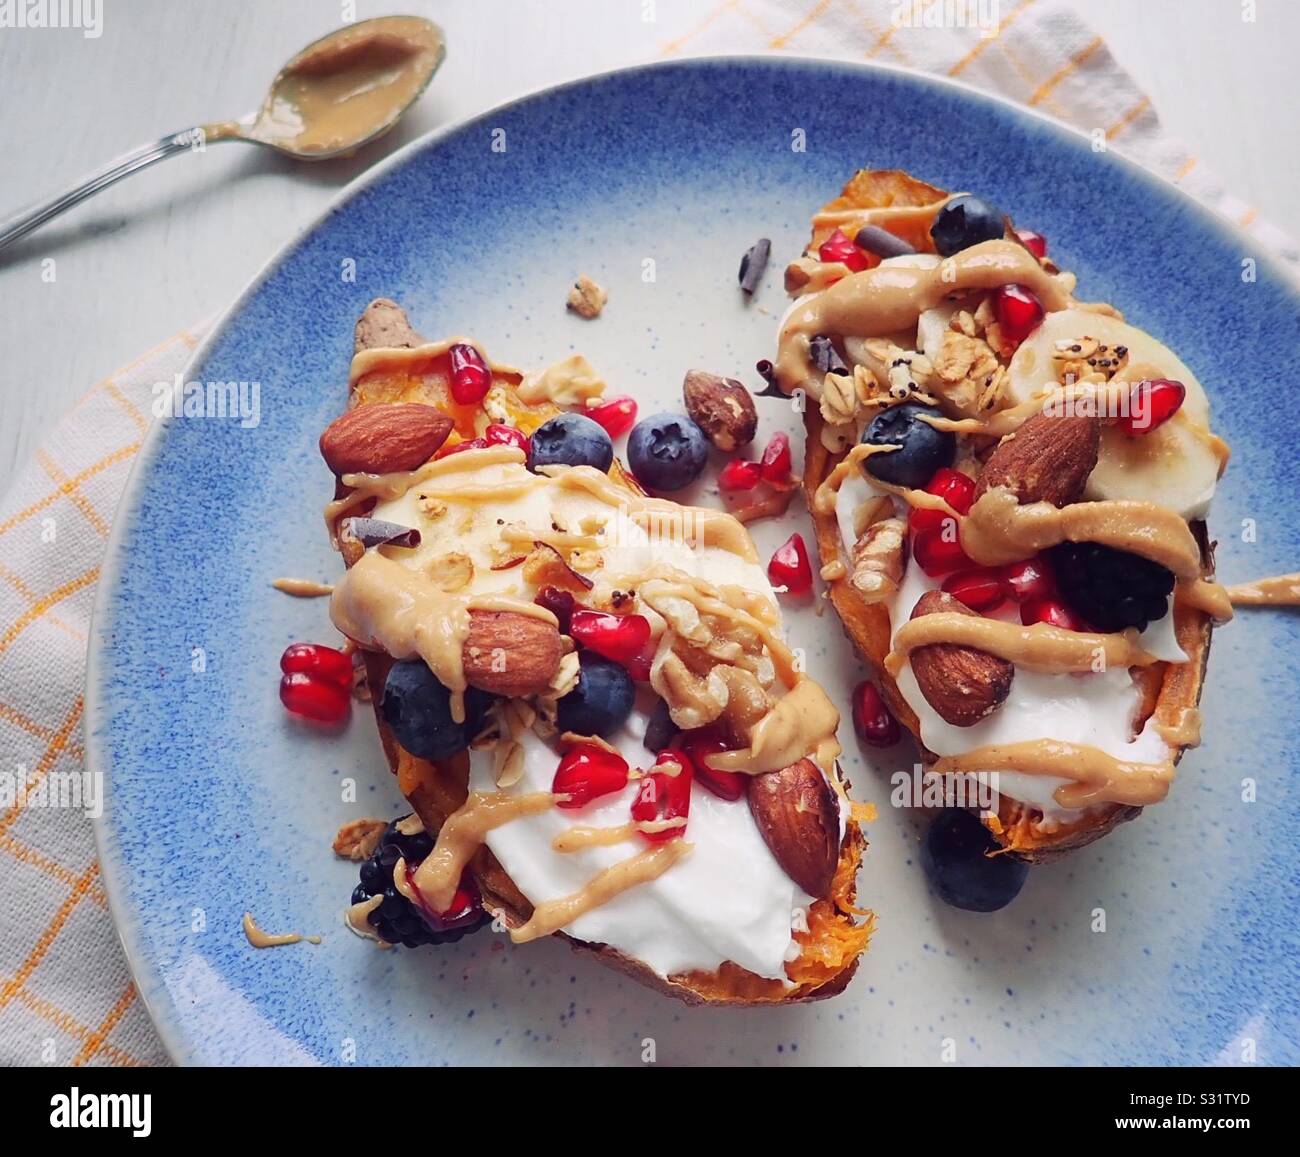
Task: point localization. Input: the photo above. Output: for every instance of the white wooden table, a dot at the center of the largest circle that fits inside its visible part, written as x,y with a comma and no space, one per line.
173,245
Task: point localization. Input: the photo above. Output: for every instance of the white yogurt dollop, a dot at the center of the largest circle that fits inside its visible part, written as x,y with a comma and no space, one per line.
728,899
1094,709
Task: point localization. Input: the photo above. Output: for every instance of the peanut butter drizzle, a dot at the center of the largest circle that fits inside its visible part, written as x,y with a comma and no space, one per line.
383,604
260,939
825,495
1084,398
890,298
396,357
1041,647
580,837
1099,778
1205,596
392,486
657,515
801,723
303,588
1181,728
357,919
438,875
552,915
472,494
1281,590
999,530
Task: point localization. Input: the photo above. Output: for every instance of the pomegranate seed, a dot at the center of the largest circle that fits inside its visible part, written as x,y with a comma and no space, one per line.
496,435
663,796
981,589
938,551
559,603
617,416
740,475
1050,611
871,718
470,376
1018,311
638,666
790,567
617,637
728,785
587,771
1036,243
839,247
776,463
319,662
469,444
1030,579
955,488
1152,403
463,909
319,699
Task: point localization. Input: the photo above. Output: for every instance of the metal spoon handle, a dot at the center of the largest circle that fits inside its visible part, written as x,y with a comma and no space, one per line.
132,162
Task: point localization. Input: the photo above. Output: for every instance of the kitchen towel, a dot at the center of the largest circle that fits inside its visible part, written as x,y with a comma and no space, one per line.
66,995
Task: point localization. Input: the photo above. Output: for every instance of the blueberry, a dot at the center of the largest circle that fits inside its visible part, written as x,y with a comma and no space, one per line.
922,448
667,452
965,221
418,709
570,440
602,699
955,857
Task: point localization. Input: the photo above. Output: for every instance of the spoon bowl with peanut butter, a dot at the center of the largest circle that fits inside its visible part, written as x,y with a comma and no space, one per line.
338,94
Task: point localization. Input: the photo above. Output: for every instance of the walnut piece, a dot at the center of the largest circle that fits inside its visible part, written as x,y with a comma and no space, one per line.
586,298
879,558
357,839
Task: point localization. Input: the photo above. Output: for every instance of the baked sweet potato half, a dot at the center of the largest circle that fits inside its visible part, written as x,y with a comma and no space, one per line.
793,822
982,341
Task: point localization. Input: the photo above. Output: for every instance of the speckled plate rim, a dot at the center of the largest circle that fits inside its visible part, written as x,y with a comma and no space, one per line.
167,1019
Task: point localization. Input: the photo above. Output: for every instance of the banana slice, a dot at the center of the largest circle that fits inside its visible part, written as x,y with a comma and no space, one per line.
1176,465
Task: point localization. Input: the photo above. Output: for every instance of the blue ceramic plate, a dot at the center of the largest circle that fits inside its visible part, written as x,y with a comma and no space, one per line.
654,181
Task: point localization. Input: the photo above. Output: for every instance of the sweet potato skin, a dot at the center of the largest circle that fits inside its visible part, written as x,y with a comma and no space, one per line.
435,790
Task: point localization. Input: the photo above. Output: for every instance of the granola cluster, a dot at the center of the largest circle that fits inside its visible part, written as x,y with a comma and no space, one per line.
1085,359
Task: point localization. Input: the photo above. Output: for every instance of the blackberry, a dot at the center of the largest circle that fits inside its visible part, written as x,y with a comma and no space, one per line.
395,918
1112,589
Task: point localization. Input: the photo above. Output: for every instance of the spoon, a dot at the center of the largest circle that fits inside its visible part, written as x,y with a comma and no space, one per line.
339,93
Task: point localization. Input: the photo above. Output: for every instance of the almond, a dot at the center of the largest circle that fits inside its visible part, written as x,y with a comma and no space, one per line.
510,654
722,408
384,437
962,684
798,816
1047,460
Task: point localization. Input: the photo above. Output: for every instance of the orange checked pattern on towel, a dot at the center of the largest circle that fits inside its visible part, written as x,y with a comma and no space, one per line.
66,995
